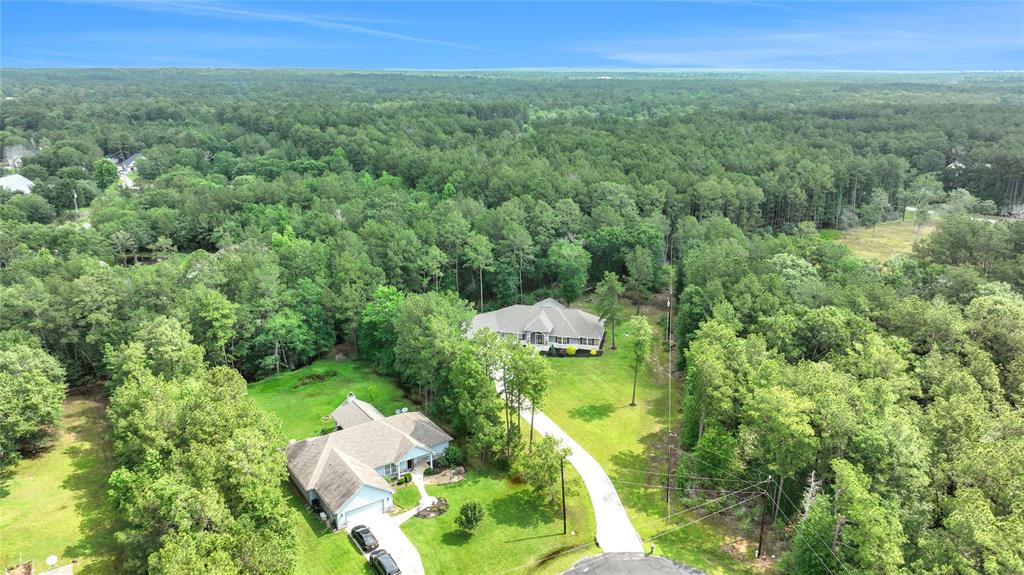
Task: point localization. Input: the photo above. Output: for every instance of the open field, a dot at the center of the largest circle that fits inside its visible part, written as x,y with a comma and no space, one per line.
589,399
301,398
515,532
883,241
56,503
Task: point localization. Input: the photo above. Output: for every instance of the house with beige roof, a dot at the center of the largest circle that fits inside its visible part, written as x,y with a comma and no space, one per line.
547,325
346,472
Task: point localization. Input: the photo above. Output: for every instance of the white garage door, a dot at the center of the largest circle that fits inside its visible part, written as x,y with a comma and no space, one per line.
364,513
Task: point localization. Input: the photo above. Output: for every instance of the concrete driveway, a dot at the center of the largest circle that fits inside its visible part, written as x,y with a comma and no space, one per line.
615,532
392,540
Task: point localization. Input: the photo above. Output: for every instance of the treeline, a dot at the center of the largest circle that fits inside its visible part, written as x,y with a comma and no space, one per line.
885,402
198,487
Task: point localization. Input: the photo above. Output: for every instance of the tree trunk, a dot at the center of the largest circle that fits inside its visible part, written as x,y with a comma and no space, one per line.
636,370
613,333
533,411
481,289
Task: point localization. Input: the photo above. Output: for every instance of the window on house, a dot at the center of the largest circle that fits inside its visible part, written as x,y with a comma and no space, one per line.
391,469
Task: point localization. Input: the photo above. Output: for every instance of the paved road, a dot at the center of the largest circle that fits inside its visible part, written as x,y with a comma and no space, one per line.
615,532
632,563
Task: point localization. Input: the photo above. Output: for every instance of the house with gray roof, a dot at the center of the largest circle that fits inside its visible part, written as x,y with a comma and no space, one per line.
547,325
346,472
17,183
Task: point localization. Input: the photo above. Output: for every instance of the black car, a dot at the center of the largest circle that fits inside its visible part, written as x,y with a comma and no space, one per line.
383,563
365,539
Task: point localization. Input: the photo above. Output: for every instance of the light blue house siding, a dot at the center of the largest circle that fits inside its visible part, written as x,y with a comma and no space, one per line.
415,456
367,503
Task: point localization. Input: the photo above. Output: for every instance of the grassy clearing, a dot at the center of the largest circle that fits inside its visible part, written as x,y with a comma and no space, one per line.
56,503
301,398
883,241
589,399
515,532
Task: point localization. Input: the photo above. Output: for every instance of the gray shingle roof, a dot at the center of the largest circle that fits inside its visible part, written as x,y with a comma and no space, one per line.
353,412
319,463
17,183
339,463
419,427
563,321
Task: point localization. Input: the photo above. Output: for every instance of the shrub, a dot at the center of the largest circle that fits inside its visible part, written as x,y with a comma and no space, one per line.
470,515
441,506
428,471
570,351
406,478
452,456
593,352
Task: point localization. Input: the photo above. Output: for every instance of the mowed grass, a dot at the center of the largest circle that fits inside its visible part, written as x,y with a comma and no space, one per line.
589,399
406,496
884,240
56,502
302,399
516,532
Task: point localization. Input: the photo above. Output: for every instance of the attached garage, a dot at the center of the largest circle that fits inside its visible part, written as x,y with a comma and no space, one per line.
362,514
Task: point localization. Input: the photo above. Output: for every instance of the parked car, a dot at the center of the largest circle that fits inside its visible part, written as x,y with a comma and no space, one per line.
383,563
367,542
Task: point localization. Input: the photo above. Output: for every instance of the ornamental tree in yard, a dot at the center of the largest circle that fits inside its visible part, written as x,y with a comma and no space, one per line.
643,337
608,293
470,515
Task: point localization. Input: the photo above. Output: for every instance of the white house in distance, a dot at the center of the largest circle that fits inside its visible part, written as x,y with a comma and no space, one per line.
17,183
346,471
547,325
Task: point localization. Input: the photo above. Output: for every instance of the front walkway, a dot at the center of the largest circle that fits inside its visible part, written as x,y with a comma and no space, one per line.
615,532
425,500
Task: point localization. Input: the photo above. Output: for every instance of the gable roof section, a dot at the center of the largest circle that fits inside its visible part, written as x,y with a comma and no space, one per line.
17,183
353,412
544,317
318,463
419,427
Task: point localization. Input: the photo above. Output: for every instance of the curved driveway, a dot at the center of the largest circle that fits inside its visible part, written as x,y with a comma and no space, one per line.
615,532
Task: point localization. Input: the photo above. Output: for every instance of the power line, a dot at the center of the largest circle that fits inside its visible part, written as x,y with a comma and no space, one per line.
698,506
585,545
699,519
684,476
820,540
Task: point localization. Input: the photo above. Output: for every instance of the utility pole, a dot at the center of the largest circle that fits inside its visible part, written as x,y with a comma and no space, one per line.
561,466
764,515
669,435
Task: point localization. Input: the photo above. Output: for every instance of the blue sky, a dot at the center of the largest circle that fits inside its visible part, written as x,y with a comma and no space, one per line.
457,35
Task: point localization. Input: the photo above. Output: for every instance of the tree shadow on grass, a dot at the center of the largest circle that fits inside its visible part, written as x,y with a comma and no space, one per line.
456,538
519,509
592,412
92,463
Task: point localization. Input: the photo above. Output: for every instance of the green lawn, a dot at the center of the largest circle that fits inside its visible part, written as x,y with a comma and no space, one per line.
589,399
301,398
515,532
56,503
406,496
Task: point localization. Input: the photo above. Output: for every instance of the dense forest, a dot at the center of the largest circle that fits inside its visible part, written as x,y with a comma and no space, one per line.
273,215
